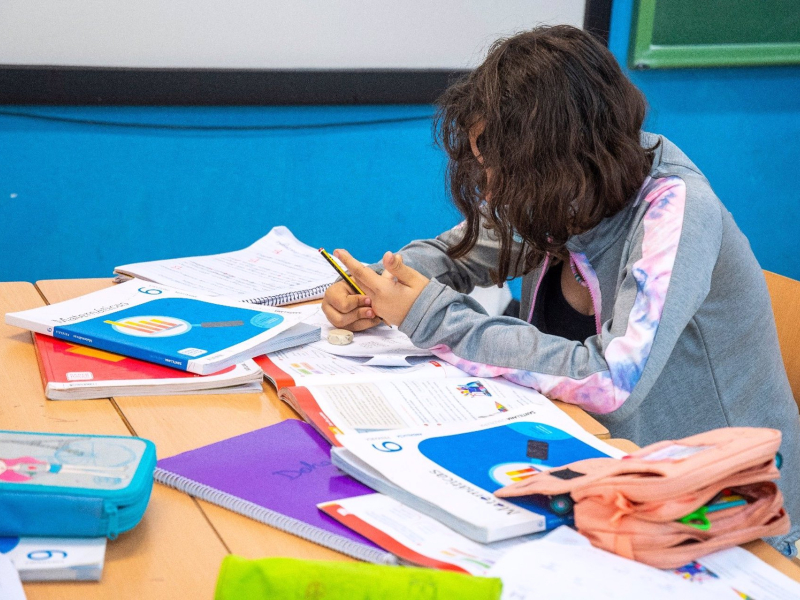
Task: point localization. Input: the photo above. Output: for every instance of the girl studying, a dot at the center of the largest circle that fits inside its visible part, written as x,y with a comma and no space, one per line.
642,301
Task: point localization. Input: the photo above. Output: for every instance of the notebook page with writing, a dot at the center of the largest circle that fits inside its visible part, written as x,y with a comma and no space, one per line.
276,475
275,270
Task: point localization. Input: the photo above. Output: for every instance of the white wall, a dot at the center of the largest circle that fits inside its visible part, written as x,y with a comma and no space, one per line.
266,34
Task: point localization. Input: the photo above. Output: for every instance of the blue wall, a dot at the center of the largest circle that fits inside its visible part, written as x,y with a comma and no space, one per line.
77,200
741,126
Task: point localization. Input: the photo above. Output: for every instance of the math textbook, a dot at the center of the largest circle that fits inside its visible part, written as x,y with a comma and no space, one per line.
162,325
75,372
451,472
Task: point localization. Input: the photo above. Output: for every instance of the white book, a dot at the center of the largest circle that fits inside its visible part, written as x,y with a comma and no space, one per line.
165,326
55,559
277,269
450,472
416,538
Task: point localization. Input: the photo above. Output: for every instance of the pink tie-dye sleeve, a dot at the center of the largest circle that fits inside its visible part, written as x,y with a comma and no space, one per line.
606,390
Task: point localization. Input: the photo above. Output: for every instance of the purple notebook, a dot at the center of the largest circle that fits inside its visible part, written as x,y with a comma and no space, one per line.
276,475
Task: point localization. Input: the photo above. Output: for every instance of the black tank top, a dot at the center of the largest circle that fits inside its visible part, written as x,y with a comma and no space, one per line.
555,316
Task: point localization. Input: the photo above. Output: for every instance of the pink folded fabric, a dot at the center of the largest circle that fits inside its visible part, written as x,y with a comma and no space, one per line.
639,506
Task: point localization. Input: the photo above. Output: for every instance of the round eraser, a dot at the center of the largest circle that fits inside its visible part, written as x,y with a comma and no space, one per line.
340,337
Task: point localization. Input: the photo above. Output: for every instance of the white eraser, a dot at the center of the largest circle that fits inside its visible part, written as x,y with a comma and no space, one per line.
340,337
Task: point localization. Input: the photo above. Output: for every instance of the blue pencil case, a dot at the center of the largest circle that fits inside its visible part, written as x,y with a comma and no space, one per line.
73,485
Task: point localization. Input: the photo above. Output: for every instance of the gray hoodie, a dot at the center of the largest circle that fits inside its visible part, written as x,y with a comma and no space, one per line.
686,339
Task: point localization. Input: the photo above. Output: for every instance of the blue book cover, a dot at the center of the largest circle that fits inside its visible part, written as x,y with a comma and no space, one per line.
450,472
162,325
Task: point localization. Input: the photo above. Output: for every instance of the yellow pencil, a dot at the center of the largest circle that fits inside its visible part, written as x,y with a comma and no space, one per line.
342,274
348,280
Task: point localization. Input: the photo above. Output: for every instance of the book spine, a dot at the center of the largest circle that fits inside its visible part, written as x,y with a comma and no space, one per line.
292,297
123,349
274,519
45,367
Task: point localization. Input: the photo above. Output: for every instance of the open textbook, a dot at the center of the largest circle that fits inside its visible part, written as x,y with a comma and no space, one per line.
308,365
563,566
450,472
166,326
379,406
277,269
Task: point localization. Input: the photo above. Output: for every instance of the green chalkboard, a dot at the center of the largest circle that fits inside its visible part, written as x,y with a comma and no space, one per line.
705,33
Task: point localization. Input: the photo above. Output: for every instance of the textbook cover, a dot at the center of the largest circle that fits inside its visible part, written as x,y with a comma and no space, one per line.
75,372
162,325
451,472
55,559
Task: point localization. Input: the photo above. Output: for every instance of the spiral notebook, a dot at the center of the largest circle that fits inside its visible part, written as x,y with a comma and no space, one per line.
278,269
276,475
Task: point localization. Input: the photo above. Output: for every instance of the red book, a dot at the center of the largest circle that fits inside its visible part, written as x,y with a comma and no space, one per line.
73,372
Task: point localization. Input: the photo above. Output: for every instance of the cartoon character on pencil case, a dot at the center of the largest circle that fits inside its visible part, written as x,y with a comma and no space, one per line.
25,468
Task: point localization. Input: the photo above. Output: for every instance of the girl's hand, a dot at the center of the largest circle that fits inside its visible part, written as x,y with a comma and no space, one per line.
347,310
393,293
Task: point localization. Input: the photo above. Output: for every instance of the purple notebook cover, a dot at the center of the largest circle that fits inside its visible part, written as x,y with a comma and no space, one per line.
285,468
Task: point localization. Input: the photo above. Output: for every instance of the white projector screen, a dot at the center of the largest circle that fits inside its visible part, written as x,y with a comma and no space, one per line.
266,34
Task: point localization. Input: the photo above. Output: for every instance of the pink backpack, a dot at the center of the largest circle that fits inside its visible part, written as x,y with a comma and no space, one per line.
674,501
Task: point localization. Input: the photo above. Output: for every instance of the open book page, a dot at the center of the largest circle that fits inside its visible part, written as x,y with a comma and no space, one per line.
383,345
308,365
277,269
10,585
564,565
415,537
368,407
741,571
456,467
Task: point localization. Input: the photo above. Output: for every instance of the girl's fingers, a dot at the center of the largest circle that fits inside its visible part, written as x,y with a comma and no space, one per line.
342,298
347,319
363,324
366,278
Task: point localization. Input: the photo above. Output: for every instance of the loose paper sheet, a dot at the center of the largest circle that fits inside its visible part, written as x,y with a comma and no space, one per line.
383,345
10,585
308,365
565,566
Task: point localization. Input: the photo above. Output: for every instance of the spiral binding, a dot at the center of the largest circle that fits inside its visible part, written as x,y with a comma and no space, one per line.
290,297
274,519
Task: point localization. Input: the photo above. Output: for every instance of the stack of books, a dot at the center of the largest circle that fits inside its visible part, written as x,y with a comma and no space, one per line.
421,452
183,326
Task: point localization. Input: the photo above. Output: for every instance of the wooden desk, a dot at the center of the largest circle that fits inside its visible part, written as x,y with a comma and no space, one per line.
176,551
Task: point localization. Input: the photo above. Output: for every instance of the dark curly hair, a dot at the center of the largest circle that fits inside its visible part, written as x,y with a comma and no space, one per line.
560,139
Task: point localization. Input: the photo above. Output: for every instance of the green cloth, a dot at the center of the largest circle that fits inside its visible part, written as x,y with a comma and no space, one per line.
294,579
